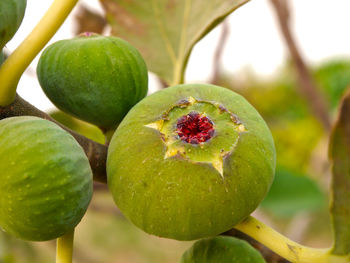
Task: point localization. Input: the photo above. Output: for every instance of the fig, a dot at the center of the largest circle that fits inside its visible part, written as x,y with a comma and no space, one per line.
94,78
11,16
190,161
222,249
45,179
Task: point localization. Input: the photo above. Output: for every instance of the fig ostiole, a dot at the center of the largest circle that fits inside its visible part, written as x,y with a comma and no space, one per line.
94,78
46,179
190,161
222,249
11,16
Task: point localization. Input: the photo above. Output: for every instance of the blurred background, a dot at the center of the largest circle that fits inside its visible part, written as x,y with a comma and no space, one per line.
291,62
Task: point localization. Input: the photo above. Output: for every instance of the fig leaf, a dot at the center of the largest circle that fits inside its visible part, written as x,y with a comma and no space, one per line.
291,193
340,156
165,31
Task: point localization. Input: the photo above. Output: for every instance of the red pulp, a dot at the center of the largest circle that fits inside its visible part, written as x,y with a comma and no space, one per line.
194,128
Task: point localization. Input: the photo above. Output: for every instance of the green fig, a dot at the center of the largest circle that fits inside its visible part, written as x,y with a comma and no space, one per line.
222,249
190,161
45,179
94,78
11,16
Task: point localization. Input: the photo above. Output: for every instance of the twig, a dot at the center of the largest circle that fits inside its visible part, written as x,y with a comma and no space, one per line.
306,84
225,29
97,153
89,21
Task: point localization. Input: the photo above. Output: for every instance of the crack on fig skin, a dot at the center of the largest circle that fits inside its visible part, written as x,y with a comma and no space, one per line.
218,161
233,116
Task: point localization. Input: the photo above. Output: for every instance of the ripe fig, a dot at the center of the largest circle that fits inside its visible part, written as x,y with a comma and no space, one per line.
190,161
45,179
222,249
11,16
94,78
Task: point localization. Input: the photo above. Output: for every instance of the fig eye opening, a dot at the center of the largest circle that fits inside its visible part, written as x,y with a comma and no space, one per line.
194,128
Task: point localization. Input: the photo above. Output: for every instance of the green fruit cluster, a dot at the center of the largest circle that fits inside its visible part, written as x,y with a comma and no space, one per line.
187,162
190,161
46,179
11,15
94,78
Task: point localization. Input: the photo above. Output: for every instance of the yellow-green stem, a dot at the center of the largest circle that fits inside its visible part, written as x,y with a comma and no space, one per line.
108,135
64,249
14,66
285,247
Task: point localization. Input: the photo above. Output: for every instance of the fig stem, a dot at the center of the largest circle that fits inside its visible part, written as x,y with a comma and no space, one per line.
108,134
14,66
64,248
285,247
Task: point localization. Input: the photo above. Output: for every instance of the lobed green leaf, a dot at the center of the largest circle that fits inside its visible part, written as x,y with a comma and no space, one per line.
165,31
340,157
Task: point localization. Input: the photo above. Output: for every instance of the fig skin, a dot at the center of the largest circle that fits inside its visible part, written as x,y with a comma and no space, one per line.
46,179
94,78
11,16
222,249
181,197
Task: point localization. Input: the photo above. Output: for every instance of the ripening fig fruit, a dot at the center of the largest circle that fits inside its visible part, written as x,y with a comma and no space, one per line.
45,179
222,249
190,161
94,78
11,15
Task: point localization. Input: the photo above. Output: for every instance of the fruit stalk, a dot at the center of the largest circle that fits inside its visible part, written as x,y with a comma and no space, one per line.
285,247
14,66
64,249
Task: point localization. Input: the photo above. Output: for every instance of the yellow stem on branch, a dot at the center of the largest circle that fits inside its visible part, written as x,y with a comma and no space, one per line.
285,247
14,66
64,248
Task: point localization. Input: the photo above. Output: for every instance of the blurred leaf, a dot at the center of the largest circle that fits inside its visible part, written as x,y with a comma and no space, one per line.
89,21
165,31
295,130
333,78
340,157
295,141
84,128
292,193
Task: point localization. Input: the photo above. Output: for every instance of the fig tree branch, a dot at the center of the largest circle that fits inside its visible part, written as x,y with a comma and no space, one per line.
307,86
219,51
96,153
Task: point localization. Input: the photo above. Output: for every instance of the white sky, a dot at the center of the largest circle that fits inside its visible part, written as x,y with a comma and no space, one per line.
321,28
